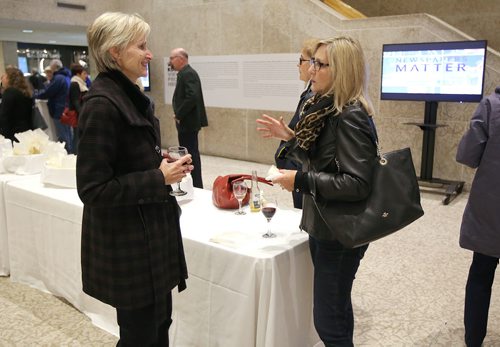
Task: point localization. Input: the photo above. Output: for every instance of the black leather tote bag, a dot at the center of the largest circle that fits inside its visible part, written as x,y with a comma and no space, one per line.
393,203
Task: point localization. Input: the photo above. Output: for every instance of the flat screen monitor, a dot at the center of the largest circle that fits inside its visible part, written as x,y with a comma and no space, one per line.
434,71
146,81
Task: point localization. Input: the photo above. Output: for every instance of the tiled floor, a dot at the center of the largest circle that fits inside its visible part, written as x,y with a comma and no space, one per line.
408,292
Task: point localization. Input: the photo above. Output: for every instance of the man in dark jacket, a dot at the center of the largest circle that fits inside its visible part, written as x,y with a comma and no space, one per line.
189,108
57,94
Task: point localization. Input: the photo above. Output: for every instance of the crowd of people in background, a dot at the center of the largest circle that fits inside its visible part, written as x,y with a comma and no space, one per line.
60,86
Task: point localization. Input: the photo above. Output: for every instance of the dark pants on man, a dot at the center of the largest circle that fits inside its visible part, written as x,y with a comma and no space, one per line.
190,141
138,327
335,268
477,298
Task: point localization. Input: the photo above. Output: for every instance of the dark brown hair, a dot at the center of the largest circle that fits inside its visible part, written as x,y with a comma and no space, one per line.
17,80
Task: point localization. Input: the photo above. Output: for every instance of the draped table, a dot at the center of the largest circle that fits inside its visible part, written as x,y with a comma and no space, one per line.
4,250
243,290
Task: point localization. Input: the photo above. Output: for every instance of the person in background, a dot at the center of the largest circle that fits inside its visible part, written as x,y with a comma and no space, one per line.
37,81
334,142
77,89
57,93
304,75
189,108
16,108
48,76
480,230
132,253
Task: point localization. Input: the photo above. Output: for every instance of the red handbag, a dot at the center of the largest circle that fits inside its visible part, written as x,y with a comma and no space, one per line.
69,117
222,190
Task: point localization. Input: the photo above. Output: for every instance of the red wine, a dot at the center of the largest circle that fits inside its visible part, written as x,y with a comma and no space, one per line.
268,212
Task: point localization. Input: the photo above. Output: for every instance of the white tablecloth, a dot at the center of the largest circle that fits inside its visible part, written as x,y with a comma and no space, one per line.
44,111
4,250
242,291
246,290
44,227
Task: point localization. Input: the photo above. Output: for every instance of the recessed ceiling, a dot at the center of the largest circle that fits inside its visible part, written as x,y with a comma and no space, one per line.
57,34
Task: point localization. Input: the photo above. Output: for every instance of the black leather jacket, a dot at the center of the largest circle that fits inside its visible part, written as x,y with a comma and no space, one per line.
338,166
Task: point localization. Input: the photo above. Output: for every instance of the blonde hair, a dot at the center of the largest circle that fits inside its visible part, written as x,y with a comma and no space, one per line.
309,46
113,29
349,72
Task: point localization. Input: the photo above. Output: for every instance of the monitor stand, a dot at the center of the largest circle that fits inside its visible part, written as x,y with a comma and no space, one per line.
451,189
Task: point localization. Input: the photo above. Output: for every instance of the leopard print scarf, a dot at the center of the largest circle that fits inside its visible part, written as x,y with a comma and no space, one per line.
312,119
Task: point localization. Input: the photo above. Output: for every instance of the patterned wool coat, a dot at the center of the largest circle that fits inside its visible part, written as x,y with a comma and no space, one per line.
132,254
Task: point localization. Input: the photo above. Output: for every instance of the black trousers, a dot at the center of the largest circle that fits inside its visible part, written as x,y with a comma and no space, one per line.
190,141
477,298
138,327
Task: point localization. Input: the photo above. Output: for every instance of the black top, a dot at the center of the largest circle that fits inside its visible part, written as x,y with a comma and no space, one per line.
15,113
187,101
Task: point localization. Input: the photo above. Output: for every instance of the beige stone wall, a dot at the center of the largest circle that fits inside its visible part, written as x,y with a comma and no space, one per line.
46,11
477,18
216,27
275,26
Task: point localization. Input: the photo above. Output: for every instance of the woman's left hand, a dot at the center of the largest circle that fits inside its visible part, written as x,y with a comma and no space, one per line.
286,180
274,128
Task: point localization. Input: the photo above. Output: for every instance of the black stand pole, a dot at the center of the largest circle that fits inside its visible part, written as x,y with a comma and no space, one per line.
451,188
428,140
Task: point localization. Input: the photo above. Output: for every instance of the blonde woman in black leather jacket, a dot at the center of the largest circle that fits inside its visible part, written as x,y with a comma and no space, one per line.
334,142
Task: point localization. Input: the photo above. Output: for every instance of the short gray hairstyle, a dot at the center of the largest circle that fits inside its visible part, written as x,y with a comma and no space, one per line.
113,29
56,64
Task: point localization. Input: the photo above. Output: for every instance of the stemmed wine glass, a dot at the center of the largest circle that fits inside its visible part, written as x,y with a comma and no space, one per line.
240,191
176,153
268,206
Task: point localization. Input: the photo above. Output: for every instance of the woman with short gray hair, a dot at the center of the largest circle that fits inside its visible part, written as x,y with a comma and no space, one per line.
132,253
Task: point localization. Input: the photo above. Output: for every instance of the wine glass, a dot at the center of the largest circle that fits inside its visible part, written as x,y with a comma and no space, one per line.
240,191
176,153
268,206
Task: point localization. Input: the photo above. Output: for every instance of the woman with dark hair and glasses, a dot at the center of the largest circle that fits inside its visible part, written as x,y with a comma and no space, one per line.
304,75
334,142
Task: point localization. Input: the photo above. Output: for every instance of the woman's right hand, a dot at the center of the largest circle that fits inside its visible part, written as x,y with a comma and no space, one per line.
175,171
274,128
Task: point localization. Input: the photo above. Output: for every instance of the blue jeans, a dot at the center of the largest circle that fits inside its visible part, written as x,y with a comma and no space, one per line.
335,268
477,298
64,134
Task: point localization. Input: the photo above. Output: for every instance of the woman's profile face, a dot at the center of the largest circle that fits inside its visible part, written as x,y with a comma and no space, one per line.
133,60
304,74
321,76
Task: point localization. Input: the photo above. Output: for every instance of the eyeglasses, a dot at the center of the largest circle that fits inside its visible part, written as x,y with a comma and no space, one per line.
317,64
175,56
302,60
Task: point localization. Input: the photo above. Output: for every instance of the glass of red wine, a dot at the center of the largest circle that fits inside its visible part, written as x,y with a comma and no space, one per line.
176,153
268,206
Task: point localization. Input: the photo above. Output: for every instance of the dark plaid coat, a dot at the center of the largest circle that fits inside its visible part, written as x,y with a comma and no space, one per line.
132,253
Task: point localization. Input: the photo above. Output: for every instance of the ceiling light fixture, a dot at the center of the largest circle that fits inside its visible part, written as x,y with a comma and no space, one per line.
27,31
71,6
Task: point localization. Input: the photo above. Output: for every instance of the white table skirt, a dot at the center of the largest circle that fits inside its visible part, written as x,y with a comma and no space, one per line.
44,226
4,249
242,291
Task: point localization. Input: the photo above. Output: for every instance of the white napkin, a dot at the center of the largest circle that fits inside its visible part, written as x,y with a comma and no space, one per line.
273,173
231,239
60,170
